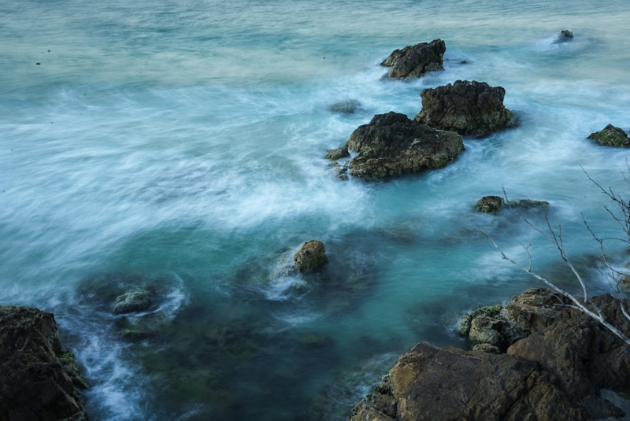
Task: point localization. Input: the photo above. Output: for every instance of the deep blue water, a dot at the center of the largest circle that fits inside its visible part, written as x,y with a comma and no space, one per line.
178,145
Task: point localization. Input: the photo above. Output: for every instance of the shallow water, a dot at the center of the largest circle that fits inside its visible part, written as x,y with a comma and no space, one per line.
178,146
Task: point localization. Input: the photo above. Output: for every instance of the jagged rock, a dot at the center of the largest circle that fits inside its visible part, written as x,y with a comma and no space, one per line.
342,173
131,302
564,36
489,311
392,144
489,204
346,107
555,373
466,108
311,256
486,330
611,136
38,381
494,204
415,60
338,153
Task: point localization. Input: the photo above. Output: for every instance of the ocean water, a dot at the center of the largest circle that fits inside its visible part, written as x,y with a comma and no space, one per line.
178,146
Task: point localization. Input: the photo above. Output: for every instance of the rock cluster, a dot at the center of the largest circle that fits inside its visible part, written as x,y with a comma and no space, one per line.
415,60
310,257
494,204
547,361
392,144
611,136
38,381
466,108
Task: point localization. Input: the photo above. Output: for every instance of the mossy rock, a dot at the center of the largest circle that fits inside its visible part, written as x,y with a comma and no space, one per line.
346,107
133,335
314,340
487,348
489,204
338,153
70,366
466,322
131,302
611,136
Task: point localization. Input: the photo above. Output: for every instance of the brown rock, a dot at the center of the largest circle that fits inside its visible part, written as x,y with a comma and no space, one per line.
310,257
34,385
415,60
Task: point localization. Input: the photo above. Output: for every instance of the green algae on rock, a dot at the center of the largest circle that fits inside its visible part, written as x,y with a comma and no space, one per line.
38,380
131,302
611,136
346,107
338,153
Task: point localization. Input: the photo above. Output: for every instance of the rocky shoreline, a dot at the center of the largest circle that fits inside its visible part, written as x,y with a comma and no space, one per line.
537,358
38,379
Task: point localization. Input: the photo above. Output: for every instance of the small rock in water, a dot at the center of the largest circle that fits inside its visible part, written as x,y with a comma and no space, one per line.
415,60
338,153
131,302
37,64
346,107
489,204
564,36
611,136
310,257
465,107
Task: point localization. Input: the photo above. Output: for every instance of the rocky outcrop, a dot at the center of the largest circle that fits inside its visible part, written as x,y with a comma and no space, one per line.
494,204
465,107
338,153
38,381
564,36
131,302
539,360
415,60
310,257
346,107
611,136
392,144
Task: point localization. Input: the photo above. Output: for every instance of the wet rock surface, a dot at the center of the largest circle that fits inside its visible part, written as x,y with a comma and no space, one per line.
310,257
469,108
564,36
494,204
392,144
415,60
131,302
338,153
551,363
346,107
611,136
38,381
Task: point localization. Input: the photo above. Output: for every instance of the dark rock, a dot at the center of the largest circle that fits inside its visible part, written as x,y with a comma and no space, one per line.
489,311
466,108
556,373
339,153
346,107
415,60
564,36
489,204
611,136
624,284
392,144
38,381
486,330
310,257
528,204
342,173
131,302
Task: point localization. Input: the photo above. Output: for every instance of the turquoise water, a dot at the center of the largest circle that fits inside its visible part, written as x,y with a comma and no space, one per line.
178,145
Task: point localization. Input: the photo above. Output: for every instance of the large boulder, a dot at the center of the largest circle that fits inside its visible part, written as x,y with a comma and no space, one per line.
415,60
611,136
392,144
38,381
466,108
310,257
131,302
555,370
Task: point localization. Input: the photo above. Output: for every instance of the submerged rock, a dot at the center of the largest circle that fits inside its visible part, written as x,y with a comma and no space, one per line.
392,144
38,381
564,36
554,372
494,204
415,60
131,302
489,204
310,257
346,107
611,136
338,153
466,108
